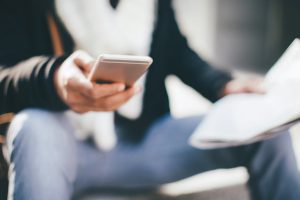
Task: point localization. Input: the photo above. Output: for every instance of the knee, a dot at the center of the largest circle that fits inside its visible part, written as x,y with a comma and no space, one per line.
280,145
37,139
277,150
30,128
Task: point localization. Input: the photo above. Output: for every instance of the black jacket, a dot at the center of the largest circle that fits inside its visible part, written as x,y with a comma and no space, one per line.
27,64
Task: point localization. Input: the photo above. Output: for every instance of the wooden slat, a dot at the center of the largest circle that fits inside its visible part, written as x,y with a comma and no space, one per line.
55,36
6,118
2,140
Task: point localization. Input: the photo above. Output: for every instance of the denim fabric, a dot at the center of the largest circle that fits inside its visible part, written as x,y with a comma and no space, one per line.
47,162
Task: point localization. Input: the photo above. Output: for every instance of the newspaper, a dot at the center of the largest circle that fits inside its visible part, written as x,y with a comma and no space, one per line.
246,118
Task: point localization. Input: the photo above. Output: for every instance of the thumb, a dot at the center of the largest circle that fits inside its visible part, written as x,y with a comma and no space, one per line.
83,60
80,77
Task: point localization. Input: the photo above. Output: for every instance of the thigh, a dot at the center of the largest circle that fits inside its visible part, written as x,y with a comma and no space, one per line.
42,134
46,157
167,150
163,156
42,155
167,155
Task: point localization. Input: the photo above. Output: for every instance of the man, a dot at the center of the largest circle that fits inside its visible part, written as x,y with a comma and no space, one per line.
48,162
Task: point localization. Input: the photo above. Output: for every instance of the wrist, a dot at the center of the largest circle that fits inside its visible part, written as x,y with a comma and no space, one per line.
57,83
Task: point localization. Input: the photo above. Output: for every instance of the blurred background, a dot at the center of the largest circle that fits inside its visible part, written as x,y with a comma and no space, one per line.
240,35
243,35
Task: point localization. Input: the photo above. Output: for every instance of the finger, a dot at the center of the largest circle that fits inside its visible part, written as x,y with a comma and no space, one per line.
115,101
257,85
80,109
81,86
94,91
255,89
86,67
83,60
106,90
74,98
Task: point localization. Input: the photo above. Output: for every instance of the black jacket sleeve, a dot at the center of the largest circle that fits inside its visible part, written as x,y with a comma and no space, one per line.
189,67
29,84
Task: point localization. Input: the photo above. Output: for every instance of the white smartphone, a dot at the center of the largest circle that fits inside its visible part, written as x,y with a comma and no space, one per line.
127,69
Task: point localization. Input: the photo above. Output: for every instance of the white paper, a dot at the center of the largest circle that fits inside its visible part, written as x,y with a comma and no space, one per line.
244,118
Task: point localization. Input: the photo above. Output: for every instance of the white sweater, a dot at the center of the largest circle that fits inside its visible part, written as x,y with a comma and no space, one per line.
98,28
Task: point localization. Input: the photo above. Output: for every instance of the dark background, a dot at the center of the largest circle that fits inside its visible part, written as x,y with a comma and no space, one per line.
252,34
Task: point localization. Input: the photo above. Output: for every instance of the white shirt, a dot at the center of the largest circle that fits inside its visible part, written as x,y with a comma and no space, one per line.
98,28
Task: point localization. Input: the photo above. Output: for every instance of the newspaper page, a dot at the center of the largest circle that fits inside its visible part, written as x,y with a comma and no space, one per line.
245,118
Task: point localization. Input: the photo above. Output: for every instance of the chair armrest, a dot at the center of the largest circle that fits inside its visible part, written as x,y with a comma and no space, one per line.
5,119
2,139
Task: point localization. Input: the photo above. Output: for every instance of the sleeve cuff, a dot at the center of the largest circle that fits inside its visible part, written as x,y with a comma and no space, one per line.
55,102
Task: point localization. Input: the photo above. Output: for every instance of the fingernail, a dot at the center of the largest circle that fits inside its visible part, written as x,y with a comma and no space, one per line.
121,88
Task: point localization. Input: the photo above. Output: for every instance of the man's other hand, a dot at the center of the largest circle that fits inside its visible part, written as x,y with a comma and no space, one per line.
245,85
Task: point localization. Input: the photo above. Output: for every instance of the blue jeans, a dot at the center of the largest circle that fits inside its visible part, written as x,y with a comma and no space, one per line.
47,162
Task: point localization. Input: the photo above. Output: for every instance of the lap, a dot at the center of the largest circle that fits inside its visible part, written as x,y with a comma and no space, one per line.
164,155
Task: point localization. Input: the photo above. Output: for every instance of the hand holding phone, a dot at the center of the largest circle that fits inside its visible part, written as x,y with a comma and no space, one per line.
80,94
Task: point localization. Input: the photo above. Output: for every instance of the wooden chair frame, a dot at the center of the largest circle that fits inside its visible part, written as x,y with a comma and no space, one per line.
58,49
5,119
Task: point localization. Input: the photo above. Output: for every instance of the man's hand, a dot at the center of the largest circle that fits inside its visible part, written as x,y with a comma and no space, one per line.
247,85
80,94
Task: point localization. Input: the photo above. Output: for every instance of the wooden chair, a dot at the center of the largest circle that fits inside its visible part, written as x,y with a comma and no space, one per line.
4,122
5,119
